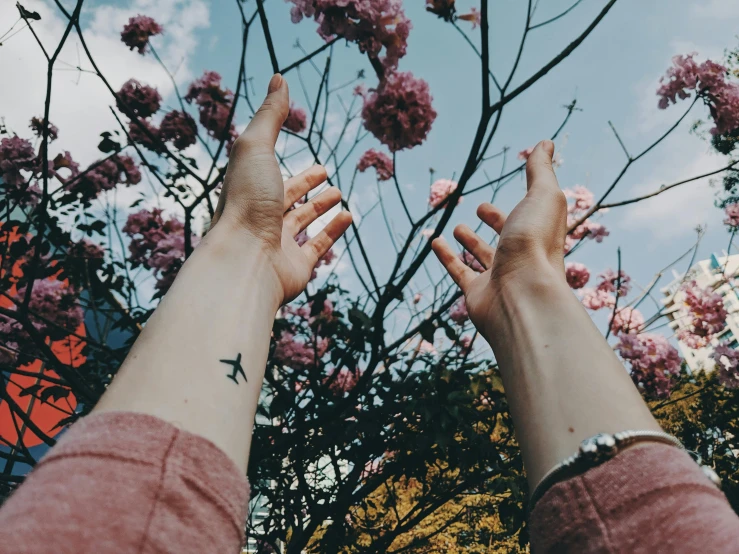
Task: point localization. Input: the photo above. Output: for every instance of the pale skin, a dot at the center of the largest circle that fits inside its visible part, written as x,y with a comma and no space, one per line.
225,297
562,380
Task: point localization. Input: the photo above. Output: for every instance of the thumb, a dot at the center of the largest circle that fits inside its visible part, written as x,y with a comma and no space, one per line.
264,127
539,170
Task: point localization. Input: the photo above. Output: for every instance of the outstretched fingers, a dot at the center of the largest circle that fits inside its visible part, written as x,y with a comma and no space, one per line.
317,247
492,216
298,219
481,250
304,182
458,271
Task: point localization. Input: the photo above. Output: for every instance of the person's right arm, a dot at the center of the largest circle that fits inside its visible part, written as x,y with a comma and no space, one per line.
563,381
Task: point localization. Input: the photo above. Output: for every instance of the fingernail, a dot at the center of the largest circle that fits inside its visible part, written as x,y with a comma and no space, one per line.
274,83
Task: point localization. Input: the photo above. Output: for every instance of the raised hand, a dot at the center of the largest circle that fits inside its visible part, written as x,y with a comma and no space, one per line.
256,204
531,244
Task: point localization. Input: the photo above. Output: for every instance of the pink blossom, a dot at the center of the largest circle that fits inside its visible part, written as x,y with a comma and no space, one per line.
732,215
727,365
372,24
440,190
179,128
55,306
380,161
299,354
577,275
708,80
474,17
707,314
106,175
65,161
146,134
417,298
214,104
37,126
608,280
595,299
399,112
137,32
654,361
344,381
137,99
523,155
626,320
426,347
458,312
297,120
470,261
16,155
157,244
465,344
584,199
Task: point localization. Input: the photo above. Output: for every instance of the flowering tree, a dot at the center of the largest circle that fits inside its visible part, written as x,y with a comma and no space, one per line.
384,426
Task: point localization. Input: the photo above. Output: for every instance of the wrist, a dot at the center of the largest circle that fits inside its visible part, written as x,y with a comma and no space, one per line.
233,252
540,284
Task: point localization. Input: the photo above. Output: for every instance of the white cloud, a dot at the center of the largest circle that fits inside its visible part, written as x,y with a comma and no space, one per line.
678,211
716,9
80,102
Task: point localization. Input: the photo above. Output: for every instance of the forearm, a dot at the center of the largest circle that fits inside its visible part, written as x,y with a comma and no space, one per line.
563,381
222,304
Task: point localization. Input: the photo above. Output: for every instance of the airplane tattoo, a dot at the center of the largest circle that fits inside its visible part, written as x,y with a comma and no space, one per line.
236,364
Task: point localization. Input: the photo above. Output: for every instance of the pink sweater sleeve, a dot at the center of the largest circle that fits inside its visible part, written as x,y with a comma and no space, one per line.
650,498
125,482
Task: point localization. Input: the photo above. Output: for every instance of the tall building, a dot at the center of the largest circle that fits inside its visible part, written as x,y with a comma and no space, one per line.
722,275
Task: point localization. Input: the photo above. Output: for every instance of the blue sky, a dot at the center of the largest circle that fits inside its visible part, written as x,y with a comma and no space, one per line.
613,75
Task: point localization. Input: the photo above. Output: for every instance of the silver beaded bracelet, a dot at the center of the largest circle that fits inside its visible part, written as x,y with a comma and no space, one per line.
602,447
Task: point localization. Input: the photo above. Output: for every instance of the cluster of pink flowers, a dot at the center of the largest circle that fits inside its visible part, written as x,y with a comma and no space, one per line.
458,312
372,24
344,381
596,299
707,314
297,120
653,361
146,134
609,280
54,310
523,155
55,302
399,112
440,190
157,244
17,155
304,311
137,32
583,197
727,364
577,275
327,258
732,215
299,354
138,99
380,161
708,80
626,320
583,201
179,128
214,105
37,126
118,169
470,261
86,250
